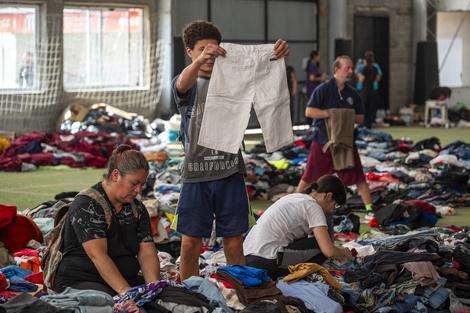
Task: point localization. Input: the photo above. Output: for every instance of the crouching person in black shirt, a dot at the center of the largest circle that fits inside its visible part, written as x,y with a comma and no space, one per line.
108,238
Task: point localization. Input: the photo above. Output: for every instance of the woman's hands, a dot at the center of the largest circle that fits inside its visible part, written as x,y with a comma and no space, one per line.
346,253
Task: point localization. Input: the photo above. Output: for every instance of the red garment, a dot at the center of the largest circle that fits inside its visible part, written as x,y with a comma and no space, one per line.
18,232
404,145
373,223
7,214
71,162
454,228
95,161
383,177
86,147
25,157
154,223
226,284
316,169
10,164
42,159
336,272
340,236
3,282
29,252
431,209
300,143
36,278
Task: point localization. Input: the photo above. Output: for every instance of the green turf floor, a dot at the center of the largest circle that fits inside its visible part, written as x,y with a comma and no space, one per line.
29,189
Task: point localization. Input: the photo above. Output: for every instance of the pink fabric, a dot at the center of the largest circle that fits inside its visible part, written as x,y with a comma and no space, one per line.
128,305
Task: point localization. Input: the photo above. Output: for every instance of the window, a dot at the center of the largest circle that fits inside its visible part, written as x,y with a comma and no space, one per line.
103,48
452,49
17,43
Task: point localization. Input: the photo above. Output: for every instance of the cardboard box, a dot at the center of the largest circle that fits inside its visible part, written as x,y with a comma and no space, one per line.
10,136
116,111
75,112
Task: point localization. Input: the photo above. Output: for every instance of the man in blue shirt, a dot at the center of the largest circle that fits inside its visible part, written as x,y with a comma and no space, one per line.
336,94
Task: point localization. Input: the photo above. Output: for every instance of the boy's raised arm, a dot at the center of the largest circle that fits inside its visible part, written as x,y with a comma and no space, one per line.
189,74
187,79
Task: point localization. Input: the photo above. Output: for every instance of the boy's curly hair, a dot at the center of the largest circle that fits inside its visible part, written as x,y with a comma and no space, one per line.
200,30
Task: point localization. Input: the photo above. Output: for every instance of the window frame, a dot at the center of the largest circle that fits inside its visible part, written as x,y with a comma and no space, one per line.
37,86
144,47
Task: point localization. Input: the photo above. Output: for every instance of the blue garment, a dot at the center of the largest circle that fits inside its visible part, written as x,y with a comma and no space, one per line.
328,96
419,308
32,148
208,289
381,156
378,135
430,290
314,295
250,276
259,170
438,298
298,160
361,144
354,294
19,284
13,271
405,306
384,244
166,188
458,148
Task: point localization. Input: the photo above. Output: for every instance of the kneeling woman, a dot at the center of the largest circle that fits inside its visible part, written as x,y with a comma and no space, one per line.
294,229
108,237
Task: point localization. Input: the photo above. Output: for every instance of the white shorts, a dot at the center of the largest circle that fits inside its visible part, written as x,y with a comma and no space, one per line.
247,76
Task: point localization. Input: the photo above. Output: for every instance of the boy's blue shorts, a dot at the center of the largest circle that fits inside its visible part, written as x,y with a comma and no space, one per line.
225,199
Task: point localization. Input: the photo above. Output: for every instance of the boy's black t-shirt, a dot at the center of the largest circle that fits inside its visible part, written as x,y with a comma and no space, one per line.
86,221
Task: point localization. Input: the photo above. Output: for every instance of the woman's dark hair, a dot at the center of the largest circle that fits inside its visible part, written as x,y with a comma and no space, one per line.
369,56
127,161
313,54
329,183
200,30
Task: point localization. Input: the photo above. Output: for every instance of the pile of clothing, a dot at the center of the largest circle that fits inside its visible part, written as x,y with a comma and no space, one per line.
404,264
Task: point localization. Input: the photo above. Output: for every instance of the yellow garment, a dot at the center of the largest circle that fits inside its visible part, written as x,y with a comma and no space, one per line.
301,270
3,144
280,164
170,216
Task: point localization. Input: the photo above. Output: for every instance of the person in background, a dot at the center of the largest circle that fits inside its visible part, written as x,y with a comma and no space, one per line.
294,229
214,192
336,93
380,109
292,85
368,76
314,78
26,76
104,257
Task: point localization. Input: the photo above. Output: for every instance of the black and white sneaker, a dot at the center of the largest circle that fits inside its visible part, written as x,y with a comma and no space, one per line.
369,215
